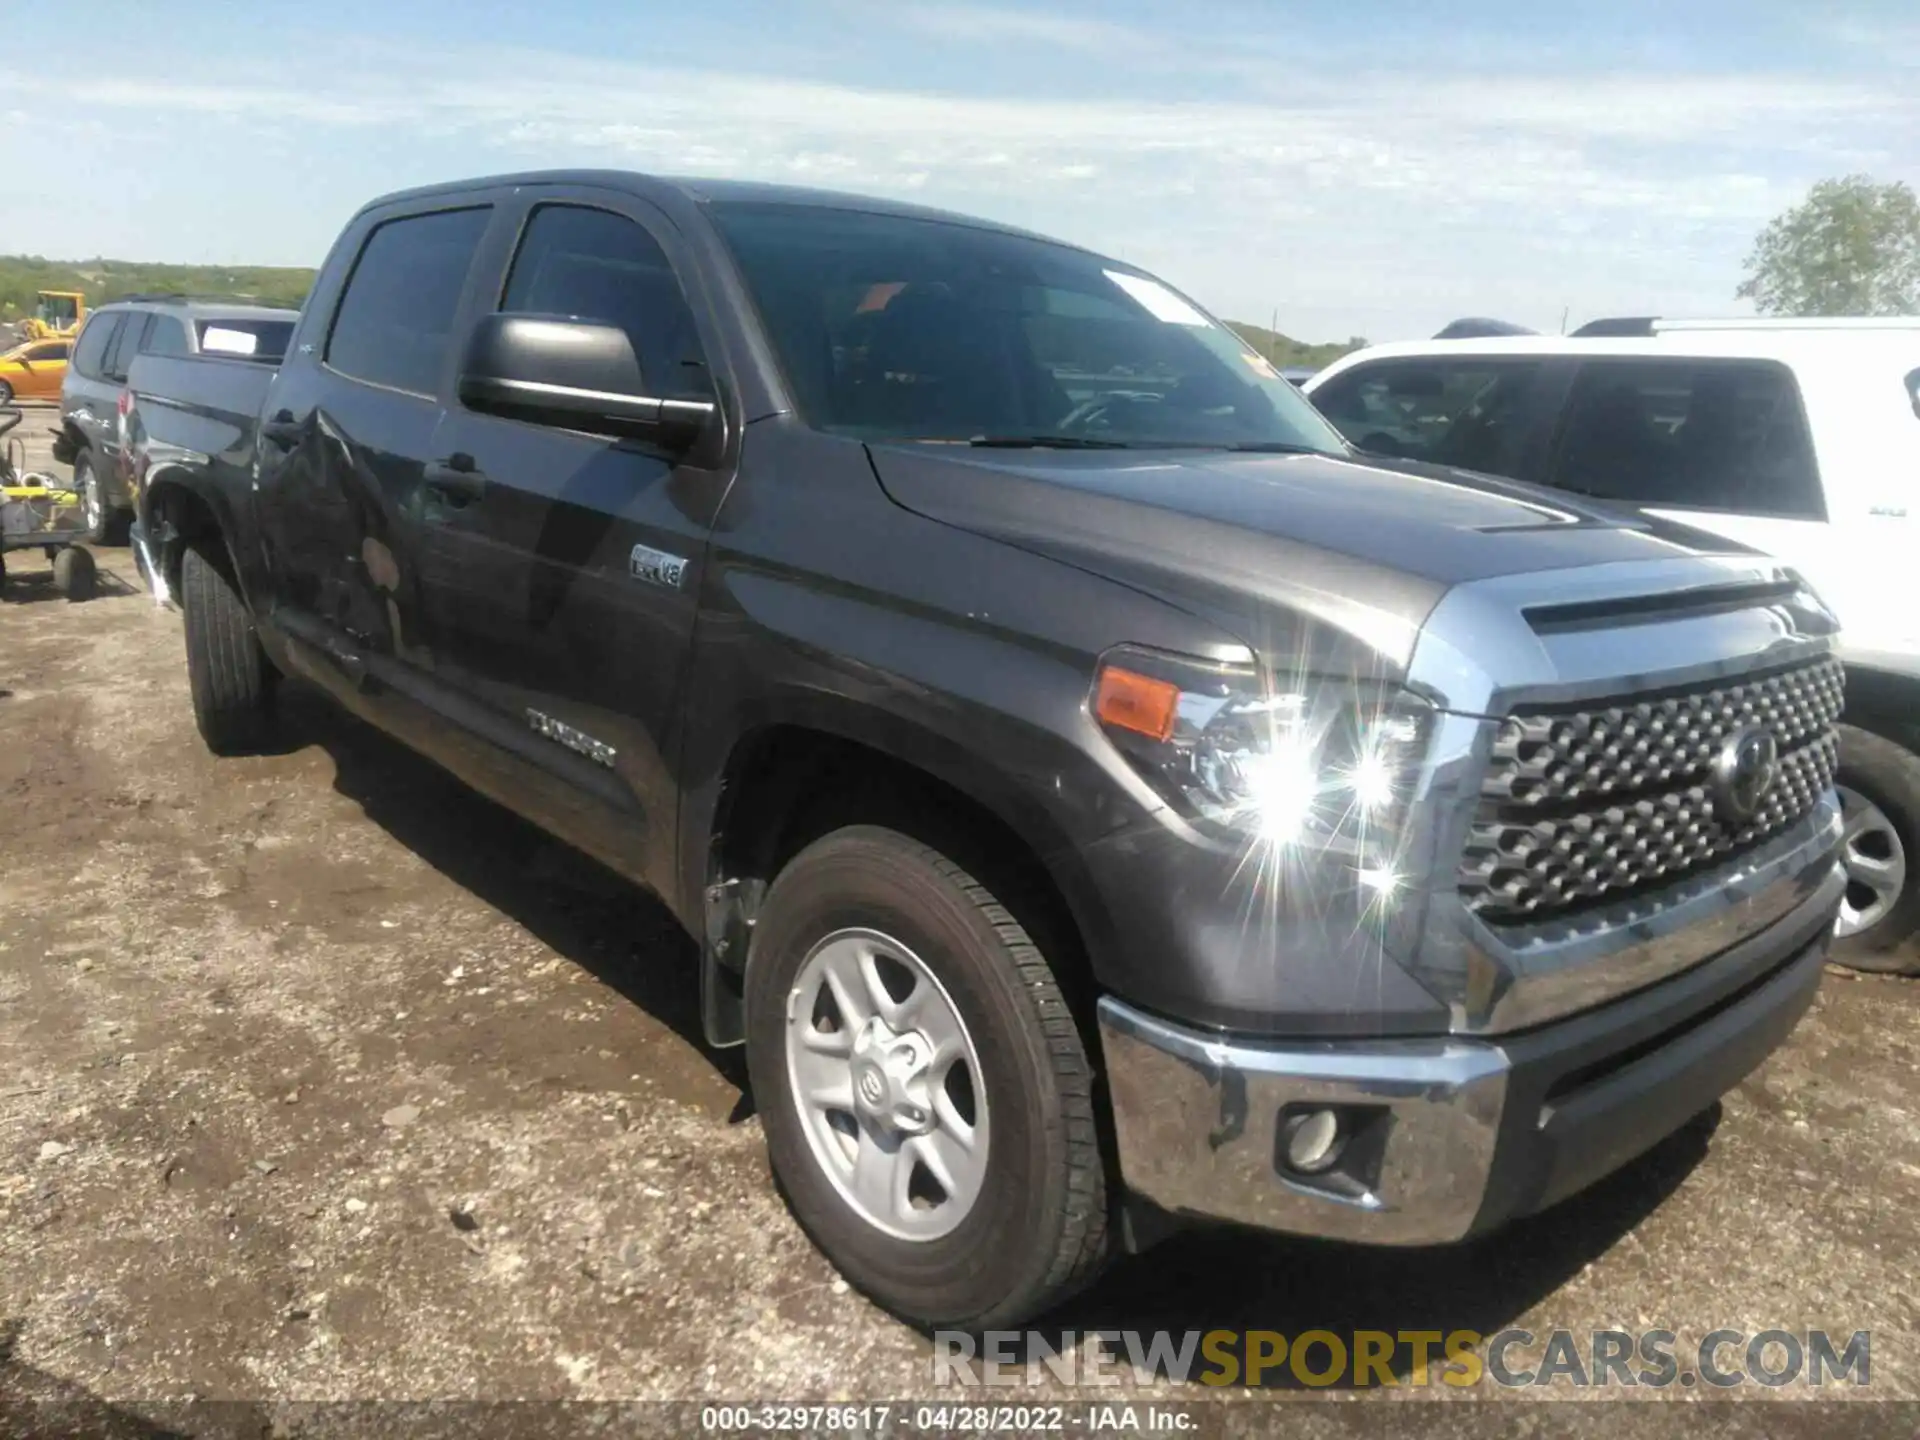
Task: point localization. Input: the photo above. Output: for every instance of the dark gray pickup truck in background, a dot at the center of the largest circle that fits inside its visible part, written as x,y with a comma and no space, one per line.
1102,799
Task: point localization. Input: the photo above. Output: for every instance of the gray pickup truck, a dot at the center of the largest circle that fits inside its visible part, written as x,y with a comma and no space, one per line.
1102,799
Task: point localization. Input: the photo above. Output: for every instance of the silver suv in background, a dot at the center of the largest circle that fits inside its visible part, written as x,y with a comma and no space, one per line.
93,397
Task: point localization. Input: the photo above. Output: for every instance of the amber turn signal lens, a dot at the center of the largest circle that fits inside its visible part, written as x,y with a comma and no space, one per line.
1140,703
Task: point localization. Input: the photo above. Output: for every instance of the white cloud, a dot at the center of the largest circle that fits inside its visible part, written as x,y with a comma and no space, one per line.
981,24
1353,193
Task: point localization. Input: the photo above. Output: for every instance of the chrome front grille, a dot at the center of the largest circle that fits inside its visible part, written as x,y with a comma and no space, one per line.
1584,805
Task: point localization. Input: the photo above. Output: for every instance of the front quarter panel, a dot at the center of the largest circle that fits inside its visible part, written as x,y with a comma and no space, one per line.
825,605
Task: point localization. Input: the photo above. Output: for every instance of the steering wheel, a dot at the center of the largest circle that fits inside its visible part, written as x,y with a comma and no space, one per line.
1084,415
1381,443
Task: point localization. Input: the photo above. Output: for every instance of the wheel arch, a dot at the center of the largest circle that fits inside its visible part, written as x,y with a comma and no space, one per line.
176,509
786,782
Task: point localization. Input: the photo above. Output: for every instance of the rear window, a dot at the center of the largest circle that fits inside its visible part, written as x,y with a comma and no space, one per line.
395,321
126,344
1723,435
165,336
91,353
253,339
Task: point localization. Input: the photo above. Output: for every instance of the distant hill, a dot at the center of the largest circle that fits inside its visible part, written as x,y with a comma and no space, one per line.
1284,350
102,280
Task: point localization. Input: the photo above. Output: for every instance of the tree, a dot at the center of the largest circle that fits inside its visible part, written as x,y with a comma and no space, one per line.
1850,248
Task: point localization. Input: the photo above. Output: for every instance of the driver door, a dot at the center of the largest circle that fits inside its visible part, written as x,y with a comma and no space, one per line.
562,594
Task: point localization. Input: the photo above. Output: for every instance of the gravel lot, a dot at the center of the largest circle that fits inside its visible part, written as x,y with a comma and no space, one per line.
323,1079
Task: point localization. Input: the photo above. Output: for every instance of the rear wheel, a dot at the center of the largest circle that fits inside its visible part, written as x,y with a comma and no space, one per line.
6,393
74,574
229,674
927,1100
1879,927
104,523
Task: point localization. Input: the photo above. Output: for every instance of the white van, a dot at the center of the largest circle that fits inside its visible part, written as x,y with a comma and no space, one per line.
1800,438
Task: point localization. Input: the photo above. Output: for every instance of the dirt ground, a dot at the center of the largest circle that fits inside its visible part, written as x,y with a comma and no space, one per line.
323,1079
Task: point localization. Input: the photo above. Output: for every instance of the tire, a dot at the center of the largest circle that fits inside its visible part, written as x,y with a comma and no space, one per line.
106,525
6,393
229,674
1035,1229
75,575
1880,792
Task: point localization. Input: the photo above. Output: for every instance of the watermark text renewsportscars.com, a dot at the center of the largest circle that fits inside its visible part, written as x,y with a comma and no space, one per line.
1360,1359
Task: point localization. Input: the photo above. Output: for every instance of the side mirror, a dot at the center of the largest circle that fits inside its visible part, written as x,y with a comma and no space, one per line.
573,374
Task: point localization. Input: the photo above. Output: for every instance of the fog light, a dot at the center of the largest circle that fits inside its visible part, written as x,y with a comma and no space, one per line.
1313,1141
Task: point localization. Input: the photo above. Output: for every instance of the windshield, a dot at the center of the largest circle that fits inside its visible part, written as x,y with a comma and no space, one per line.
896,328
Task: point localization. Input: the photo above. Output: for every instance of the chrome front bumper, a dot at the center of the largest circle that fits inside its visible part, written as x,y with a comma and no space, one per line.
1453,1135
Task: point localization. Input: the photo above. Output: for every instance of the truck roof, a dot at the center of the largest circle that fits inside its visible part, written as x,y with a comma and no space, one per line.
1804,343
702,190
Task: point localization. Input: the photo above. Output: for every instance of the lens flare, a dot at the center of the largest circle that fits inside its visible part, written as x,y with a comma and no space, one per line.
1371,780
1281,787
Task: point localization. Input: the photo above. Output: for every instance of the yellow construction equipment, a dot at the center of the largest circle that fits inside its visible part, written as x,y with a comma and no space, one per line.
58,316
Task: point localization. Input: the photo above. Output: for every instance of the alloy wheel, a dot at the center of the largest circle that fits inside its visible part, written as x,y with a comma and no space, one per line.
1875,860
888,1084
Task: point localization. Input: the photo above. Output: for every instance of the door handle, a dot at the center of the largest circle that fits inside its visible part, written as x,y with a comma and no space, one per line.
455,479
282,430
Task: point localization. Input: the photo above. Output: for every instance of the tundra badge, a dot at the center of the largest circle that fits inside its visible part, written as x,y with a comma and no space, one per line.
657,567
578,741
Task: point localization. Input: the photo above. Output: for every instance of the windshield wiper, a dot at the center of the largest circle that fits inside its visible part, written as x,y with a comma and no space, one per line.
1044,442
1276,447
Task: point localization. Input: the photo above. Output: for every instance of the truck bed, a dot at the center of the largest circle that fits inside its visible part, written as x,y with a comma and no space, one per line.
195,410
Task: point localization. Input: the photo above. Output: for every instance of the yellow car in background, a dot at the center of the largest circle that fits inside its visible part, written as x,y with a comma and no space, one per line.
33,371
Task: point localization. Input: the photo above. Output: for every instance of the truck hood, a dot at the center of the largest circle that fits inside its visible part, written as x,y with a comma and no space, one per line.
1303,557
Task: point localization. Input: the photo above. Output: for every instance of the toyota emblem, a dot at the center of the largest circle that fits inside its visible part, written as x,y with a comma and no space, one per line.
1743,775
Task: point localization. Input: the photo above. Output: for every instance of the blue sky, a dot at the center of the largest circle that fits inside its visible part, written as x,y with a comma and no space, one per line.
1368,168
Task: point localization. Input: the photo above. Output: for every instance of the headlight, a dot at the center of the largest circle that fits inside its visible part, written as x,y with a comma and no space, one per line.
1324,765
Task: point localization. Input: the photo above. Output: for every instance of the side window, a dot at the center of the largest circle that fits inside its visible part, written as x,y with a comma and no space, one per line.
62,351
396,318
166,336
1726,435
91,353
1468,412
126,345
593,265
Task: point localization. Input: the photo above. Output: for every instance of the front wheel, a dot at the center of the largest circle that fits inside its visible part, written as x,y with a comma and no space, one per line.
1879,783
6,393
927,1101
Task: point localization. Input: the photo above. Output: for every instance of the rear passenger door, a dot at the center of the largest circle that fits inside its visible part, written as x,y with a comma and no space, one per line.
88,397
1487,413
350,428
564,602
